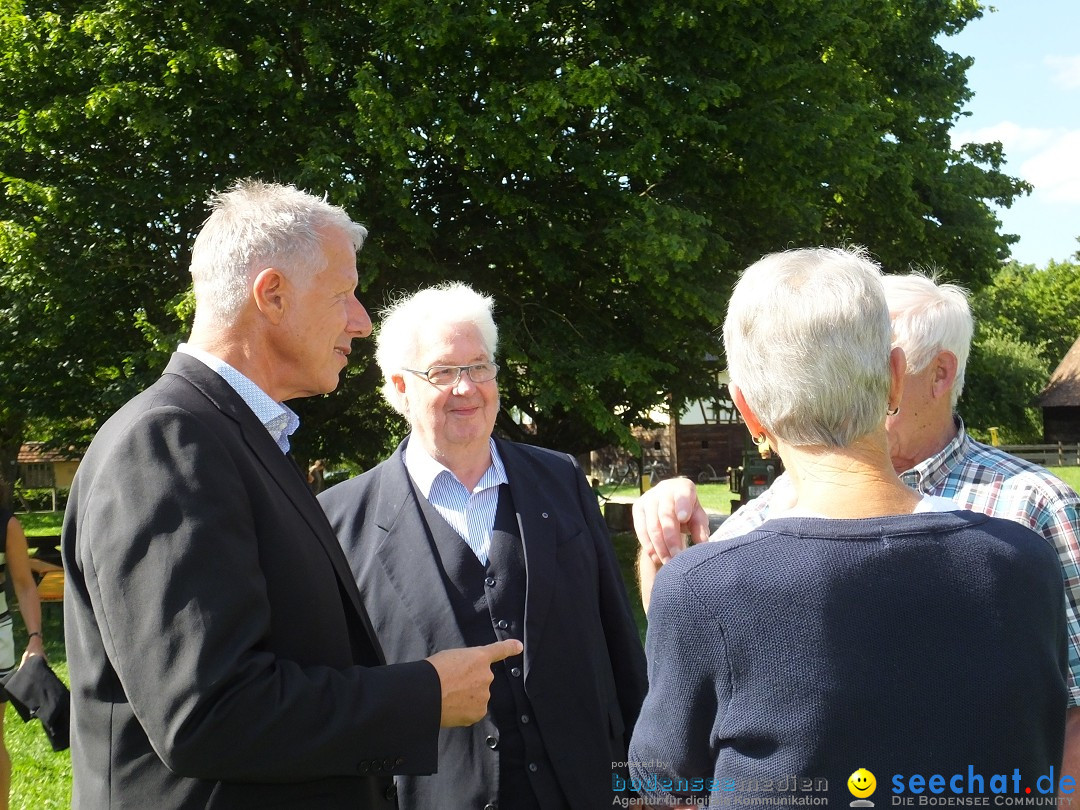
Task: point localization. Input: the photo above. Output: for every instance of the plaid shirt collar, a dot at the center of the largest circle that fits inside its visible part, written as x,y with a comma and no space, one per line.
930,475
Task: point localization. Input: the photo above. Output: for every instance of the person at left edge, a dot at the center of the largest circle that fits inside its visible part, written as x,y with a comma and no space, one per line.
219,653
463,538
15,559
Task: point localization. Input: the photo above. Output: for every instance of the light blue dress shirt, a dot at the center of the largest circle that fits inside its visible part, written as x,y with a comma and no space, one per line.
280,420
470,513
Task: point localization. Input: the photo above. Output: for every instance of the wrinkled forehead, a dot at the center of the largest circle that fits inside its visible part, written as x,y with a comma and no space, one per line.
450,343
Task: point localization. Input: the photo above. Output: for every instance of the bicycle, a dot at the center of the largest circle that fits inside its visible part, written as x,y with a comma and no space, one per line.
620,473
658,470
709,475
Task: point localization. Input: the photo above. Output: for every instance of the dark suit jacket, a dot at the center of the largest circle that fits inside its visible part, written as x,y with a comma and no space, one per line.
584,664
217,645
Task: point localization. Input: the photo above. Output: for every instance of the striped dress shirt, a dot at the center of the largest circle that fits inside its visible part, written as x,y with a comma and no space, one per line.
470,513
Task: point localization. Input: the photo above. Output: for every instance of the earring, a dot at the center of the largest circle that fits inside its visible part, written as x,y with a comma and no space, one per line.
760,439
893,411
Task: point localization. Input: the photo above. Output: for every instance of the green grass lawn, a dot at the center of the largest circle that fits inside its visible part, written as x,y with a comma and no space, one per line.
1070,475
717,497
41,524
712,496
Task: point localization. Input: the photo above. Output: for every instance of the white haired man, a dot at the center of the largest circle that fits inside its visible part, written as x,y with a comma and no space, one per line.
220,656
464,537
933,454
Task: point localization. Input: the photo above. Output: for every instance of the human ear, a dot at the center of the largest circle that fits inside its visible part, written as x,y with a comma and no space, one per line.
748,415
945,365
269,291
898,372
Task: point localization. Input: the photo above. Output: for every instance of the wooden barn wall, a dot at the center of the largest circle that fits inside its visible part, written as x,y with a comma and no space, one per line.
1061,424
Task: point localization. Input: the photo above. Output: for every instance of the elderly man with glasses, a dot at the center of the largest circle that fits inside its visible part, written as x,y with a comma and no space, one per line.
463,538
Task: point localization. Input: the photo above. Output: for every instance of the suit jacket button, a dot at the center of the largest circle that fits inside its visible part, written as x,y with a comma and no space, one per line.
388,764
363,767
491,806
492,742
391,793
502,624
490,582
515,671
399,761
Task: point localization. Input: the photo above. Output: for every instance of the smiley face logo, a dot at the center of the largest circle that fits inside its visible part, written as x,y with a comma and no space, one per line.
861,783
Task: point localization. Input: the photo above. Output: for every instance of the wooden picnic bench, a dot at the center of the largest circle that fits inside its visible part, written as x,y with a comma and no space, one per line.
50,579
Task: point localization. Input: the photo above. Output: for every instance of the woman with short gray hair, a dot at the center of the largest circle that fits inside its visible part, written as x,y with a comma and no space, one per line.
866,628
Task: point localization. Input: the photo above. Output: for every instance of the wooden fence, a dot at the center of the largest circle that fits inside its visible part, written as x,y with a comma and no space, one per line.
1048,455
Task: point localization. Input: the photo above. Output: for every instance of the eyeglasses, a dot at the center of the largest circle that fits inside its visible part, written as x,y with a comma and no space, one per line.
449,375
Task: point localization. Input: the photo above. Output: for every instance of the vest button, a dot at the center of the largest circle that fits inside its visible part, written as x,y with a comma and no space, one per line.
492,742
502,624
525,719
490,582
490,806
391,793
533,767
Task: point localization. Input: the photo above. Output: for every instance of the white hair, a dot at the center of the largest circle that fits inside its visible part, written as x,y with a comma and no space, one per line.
807,339
254,225
403,322
928,318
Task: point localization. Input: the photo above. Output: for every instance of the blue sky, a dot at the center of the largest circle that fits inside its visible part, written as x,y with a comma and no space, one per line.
1026,80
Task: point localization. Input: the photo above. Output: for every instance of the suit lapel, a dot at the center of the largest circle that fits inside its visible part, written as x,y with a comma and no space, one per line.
282,469
536,522
410,559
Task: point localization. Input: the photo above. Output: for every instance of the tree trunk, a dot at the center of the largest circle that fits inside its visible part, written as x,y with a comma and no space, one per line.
10,442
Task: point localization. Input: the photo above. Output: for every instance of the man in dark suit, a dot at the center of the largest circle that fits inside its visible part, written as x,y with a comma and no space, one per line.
460,538
219,652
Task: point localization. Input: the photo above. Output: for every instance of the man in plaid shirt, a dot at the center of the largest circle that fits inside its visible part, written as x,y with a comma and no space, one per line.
933,454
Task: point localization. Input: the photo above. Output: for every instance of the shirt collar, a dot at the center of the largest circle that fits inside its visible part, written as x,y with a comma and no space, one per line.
279,420
927,474
423,469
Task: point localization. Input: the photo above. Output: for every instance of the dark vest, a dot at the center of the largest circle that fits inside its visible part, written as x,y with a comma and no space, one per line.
489,604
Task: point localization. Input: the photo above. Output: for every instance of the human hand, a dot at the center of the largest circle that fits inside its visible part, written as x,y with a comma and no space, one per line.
35,646
465,677
664,514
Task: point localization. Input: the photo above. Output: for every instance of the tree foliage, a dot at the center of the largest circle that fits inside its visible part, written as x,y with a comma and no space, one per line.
1026,320
1037,306
1004,376
603,169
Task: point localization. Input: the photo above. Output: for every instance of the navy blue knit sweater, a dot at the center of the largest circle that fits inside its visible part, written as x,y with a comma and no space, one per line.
911,645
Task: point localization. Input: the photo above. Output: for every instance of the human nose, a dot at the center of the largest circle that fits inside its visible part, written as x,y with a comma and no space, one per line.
463,382
359,323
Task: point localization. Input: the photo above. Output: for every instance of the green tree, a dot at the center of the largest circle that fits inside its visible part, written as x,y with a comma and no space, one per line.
1004,376
1037,306
1026,320
603,169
